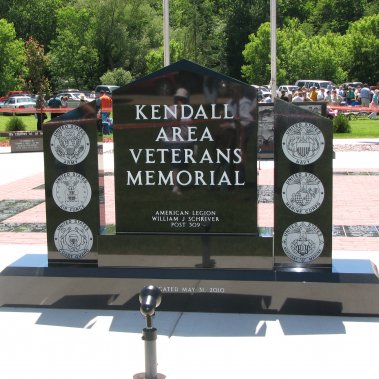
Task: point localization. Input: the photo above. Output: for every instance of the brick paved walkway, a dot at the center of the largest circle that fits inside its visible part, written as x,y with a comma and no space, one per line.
355,208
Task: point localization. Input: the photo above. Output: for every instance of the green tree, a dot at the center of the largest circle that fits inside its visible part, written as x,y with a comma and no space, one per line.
4,8
35,18
12,58
257,69
371,7
36,61
200,30
117,77
335,15
125,31
362,40
320,57
298,55
155,57
288,10
73,59
242,18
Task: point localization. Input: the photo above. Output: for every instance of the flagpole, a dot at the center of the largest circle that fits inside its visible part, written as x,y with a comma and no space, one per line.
166,33
273,47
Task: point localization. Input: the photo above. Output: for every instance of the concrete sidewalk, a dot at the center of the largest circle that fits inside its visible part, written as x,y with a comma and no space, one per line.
57,343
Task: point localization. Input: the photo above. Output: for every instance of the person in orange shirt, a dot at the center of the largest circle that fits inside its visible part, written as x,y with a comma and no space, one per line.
105,105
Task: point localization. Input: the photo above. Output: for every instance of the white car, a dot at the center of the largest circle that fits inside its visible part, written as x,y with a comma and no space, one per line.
262,92
19,102
288,88
73,98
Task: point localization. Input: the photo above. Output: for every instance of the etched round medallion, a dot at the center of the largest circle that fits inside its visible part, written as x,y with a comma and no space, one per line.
73,239
71,192
303,193
70,144
302,242
303,143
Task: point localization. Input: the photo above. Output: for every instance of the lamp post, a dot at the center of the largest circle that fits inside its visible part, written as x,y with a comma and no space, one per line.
273,47
166,33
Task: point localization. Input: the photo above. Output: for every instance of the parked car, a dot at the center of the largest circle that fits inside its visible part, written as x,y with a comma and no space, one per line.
13,93
352,84
262,92
19,102
73,98
106,88
68,90
308,83
288,88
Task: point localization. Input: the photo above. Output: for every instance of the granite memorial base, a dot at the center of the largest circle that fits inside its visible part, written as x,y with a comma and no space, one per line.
301,292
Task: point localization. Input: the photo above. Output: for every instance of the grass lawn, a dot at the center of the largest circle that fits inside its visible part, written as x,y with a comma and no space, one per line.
361,128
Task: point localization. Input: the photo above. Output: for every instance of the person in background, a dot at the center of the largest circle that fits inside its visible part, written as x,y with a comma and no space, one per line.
321,94
82,100
350,95
306,96
365,95
64,101
54,102
40,116
335,98
342,93
298,98
328,97
357,94
105,105
374,105
313,94
283,96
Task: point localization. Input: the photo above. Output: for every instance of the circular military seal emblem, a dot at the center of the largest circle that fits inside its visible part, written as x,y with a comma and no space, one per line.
303,143
70,144
303,193
73,239
302,242
71,192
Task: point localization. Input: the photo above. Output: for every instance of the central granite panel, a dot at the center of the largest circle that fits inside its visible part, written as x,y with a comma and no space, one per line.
185,148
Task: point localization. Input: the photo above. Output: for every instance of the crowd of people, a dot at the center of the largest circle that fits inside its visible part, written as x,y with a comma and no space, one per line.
56,102
361,95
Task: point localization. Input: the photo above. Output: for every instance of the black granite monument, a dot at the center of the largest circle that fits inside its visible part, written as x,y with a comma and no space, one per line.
185,172
74,213
303,188
185,149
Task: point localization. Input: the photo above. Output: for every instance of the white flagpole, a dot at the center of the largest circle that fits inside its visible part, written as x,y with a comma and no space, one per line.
166,33
273,47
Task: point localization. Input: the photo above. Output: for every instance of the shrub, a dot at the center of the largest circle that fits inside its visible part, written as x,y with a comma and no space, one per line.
341,124
15,124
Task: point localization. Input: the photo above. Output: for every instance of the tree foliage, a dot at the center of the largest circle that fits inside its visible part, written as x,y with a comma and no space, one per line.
200,31
362,40
335,15
117,77
73,57
35,18
155,58
125,31
36,61
84,39
12,58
